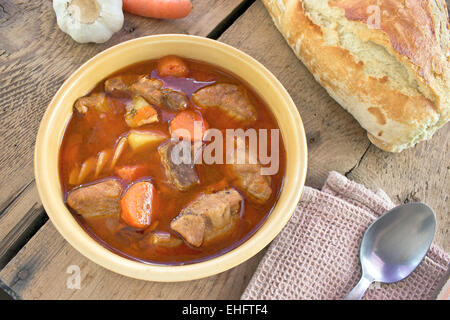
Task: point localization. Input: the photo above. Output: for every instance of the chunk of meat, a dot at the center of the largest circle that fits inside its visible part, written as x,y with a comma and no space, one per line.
208,217
95,101
140,112
149,89
174,100
182,176
116,86
230,98
99,199
191,227
247,177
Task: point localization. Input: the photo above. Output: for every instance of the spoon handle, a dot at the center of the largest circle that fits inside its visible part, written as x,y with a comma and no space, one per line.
359,290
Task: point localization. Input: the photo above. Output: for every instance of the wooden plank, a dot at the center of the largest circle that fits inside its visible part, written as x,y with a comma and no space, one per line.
336,142
329,129
335,139
32,71
39,271
418,174
35,58
19,222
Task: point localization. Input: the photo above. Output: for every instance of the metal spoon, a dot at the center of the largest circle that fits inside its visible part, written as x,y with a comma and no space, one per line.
394,245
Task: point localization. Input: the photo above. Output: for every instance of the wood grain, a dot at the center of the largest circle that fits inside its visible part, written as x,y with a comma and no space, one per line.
336,142
35,58
329,129
39,271
19,222
420,174
335,139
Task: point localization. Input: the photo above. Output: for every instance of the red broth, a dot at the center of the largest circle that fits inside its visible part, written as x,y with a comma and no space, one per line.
85,137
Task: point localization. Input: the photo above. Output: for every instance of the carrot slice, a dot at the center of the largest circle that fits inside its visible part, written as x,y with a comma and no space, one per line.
172,66
145,113
132,172
184,124
138,205
140,112
160,9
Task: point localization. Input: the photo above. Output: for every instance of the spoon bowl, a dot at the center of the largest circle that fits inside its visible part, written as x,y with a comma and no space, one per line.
394,245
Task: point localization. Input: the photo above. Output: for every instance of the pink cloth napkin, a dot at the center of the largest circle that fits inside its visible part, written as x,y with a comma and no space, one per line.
316,256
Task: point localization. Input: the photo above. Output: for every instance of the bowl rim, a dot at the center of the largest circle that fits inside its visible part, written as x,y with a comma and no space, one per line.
104,257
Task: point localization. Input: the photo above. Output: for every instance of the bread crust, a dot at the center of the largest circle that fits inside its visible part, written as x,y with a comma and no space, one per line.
387,62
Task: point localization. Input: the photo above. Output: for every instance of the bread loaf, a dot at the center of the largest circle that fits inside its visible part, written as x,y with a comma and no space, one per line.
387,62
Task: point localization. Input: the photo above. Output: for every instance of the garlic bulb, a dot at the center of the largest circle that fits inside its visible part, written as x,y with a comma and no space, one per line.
89,20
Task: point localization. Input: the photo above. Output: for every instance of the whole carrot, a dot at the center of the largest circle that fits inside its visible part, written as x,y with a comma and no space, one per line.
160,9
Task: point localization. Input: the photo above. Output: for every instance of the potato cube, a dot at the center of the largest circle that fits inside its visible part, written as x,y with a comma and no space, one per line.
140,139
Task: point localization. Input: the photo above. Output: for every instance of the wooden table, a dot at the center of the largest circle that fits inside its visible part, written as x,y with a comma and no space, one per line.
35,59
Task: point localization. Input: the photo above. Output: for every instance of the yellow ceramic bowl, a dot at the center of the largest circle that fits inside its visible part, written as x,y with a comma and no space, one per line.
102,65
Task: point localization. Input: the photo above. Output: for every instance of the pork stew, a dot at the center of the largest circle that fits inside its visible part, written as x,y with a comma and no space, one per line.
124,187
